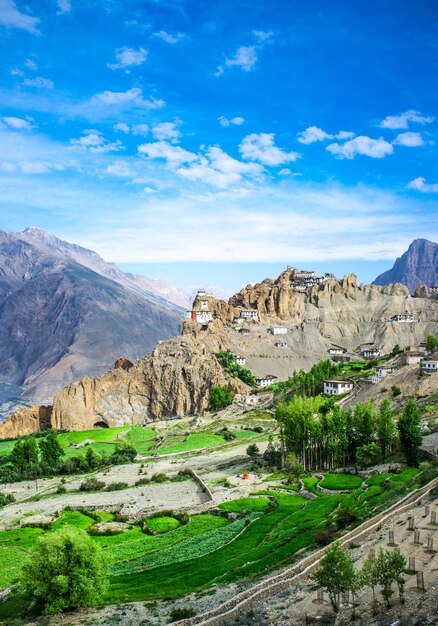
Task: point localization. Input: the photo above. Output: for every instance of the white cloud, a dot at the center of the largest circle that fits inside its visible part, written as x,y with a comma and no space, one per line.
30,167
375,148
140,129
11,17
262,35
64,6
245,58
16,123
314,133
285,172
410,140
169,38
219,169
402,120
39,83
173,155
122,127
236,121
260,147
128,57
166,130
30,63
131,97
120,169
419,184
93,141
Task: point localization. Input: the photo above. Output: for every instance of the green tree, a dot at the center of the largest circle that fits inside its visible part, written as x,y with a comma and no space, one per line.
367,455
294,468
220,397
124,452
369,574
272,454
385,427
51,450
17,455
253,451
409,428
390,567
92,459
431,342
336,574
65,570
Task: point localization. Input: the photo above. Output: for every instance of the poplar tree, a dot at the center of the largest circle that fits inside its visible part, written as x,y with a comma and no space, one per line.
409,428
385,427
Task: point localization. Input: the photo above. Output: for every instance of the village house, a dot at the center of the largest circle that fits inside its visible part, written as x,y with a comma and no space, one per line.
202,317
413,358
278,330
370,353
382,372
336,351
337,387
422,348
280,344
407,316
249,314
240,360
429,366
243,331
248,400
266,381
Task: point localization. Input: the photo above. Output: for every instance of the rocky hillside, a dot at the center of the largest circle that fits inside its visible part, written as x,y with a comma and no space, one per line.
417,266
178,374
61,320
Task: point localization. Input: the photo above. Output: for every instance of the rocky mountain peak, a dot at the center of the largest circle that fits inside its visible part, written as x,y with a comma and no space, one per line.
417,266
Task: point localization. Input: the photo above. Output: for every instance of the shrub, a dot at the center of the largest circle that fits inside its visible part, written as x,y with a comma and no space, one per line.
142,481
181,613
159,478
396,391
61,488
92,484
324,536
117,486
6,498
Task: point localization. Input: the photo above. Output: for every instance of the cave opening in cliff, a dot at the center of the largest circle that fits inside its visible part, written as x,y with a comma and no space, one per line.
100,425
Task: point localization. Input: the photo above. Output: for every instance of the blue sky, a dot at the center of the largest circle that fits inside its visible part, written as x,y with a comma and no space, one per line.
197,140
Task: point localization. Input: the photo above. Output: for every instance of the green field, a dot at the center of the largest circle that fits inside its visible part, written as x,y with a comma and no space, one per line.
209,549
143,438
341,481
163,524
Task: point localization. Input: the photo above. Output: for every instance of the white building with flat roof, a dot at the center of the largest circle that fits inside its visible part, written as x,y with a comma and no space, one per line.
240,360
337,387
266,381
250,314
278,330
429,366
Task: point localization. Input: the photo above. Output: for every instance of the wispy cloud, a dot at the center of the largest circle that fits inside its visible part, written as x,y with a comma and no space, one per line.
130,97
374,148
39,82
168,37
11,17
172,155
402,120
94,141
261,147
263,35
419,184
313,134
166,131
15,123
128,57
410,140
64,6
234,121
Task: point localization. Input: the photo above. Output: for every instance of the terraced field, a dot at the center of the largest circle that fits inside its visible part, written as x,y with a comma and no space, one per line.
270,529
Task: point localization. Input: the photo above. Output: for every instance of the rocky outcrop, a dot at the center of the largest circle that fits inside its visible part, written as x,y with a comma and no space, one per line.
272,298
417,266
25,421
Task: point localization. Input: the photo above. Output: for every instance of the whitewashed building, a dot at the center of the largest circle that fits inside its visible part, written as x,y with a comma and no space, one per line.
336,351
280,344
407,316
429,366
250,314
278,330
266,381
337,387
240,360
370,353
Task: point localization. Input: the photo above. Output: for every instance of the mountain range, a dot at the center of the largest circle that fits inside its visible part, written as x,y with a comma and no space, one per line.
66,314
417,266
